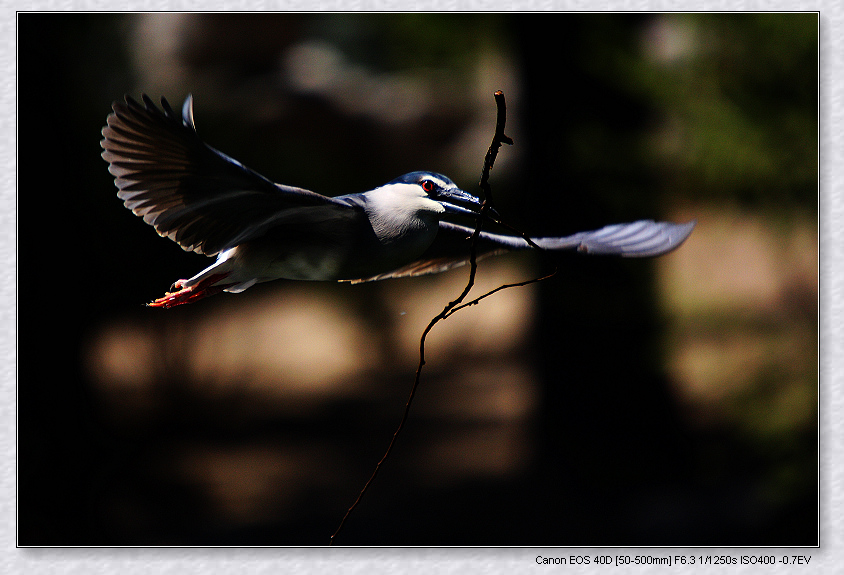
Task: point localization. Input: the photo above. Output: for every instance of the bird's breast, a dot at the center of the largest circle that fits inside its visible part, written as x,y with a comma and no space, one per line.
403,237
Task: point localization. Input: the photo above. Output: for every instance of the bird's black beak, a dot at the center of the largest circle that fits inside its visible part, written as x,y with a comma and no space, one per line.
458,195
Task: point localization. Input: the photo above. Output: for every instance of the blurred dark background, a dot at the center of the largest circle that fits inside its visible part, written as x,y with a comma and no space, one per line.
664,402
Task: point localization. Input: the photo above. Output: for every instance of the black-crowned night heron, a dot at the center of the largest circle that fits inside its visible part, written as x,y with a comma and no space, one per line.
212,204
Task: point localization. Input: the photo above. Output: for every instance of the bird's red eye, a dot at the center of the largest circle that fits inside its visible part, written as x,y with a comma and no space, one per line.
428,186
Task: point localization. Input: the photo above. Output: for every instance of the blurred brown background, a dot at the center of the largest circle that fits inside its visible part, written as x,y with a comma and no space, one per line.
664,402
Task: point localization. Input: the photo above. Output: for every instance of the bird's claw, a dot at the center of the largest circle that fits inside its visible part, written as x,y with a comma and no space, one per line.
178,297
191,293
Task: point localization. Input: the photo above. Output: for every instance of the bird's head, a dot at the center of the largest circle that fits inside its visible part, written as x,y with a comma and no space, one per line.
434,192
417,201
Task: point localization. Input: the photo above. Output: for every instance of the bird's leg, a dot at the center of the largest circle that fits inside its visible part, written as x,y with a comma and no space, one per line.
204,288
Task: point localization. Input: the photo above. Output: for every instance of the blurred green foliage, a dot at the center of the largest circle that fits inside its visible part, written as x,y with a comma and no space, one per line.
417,41
740,109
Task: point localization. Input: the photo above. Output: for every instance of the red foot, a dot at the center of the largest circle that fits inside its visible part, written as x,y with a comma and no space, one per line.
190,294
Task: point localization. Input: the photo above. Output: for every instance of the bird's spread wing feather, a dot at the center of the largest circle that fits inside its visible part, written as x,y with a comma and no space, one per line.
451,248
197,196
642,239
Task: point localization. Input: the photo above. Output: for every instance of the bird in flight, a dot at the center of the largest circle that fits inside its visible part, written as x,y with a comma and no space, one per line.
211,204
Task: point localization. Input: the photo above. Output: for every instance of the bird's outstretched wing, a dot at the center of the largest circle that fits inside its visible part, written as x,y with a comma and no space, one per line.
197,196
642,239
451,248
